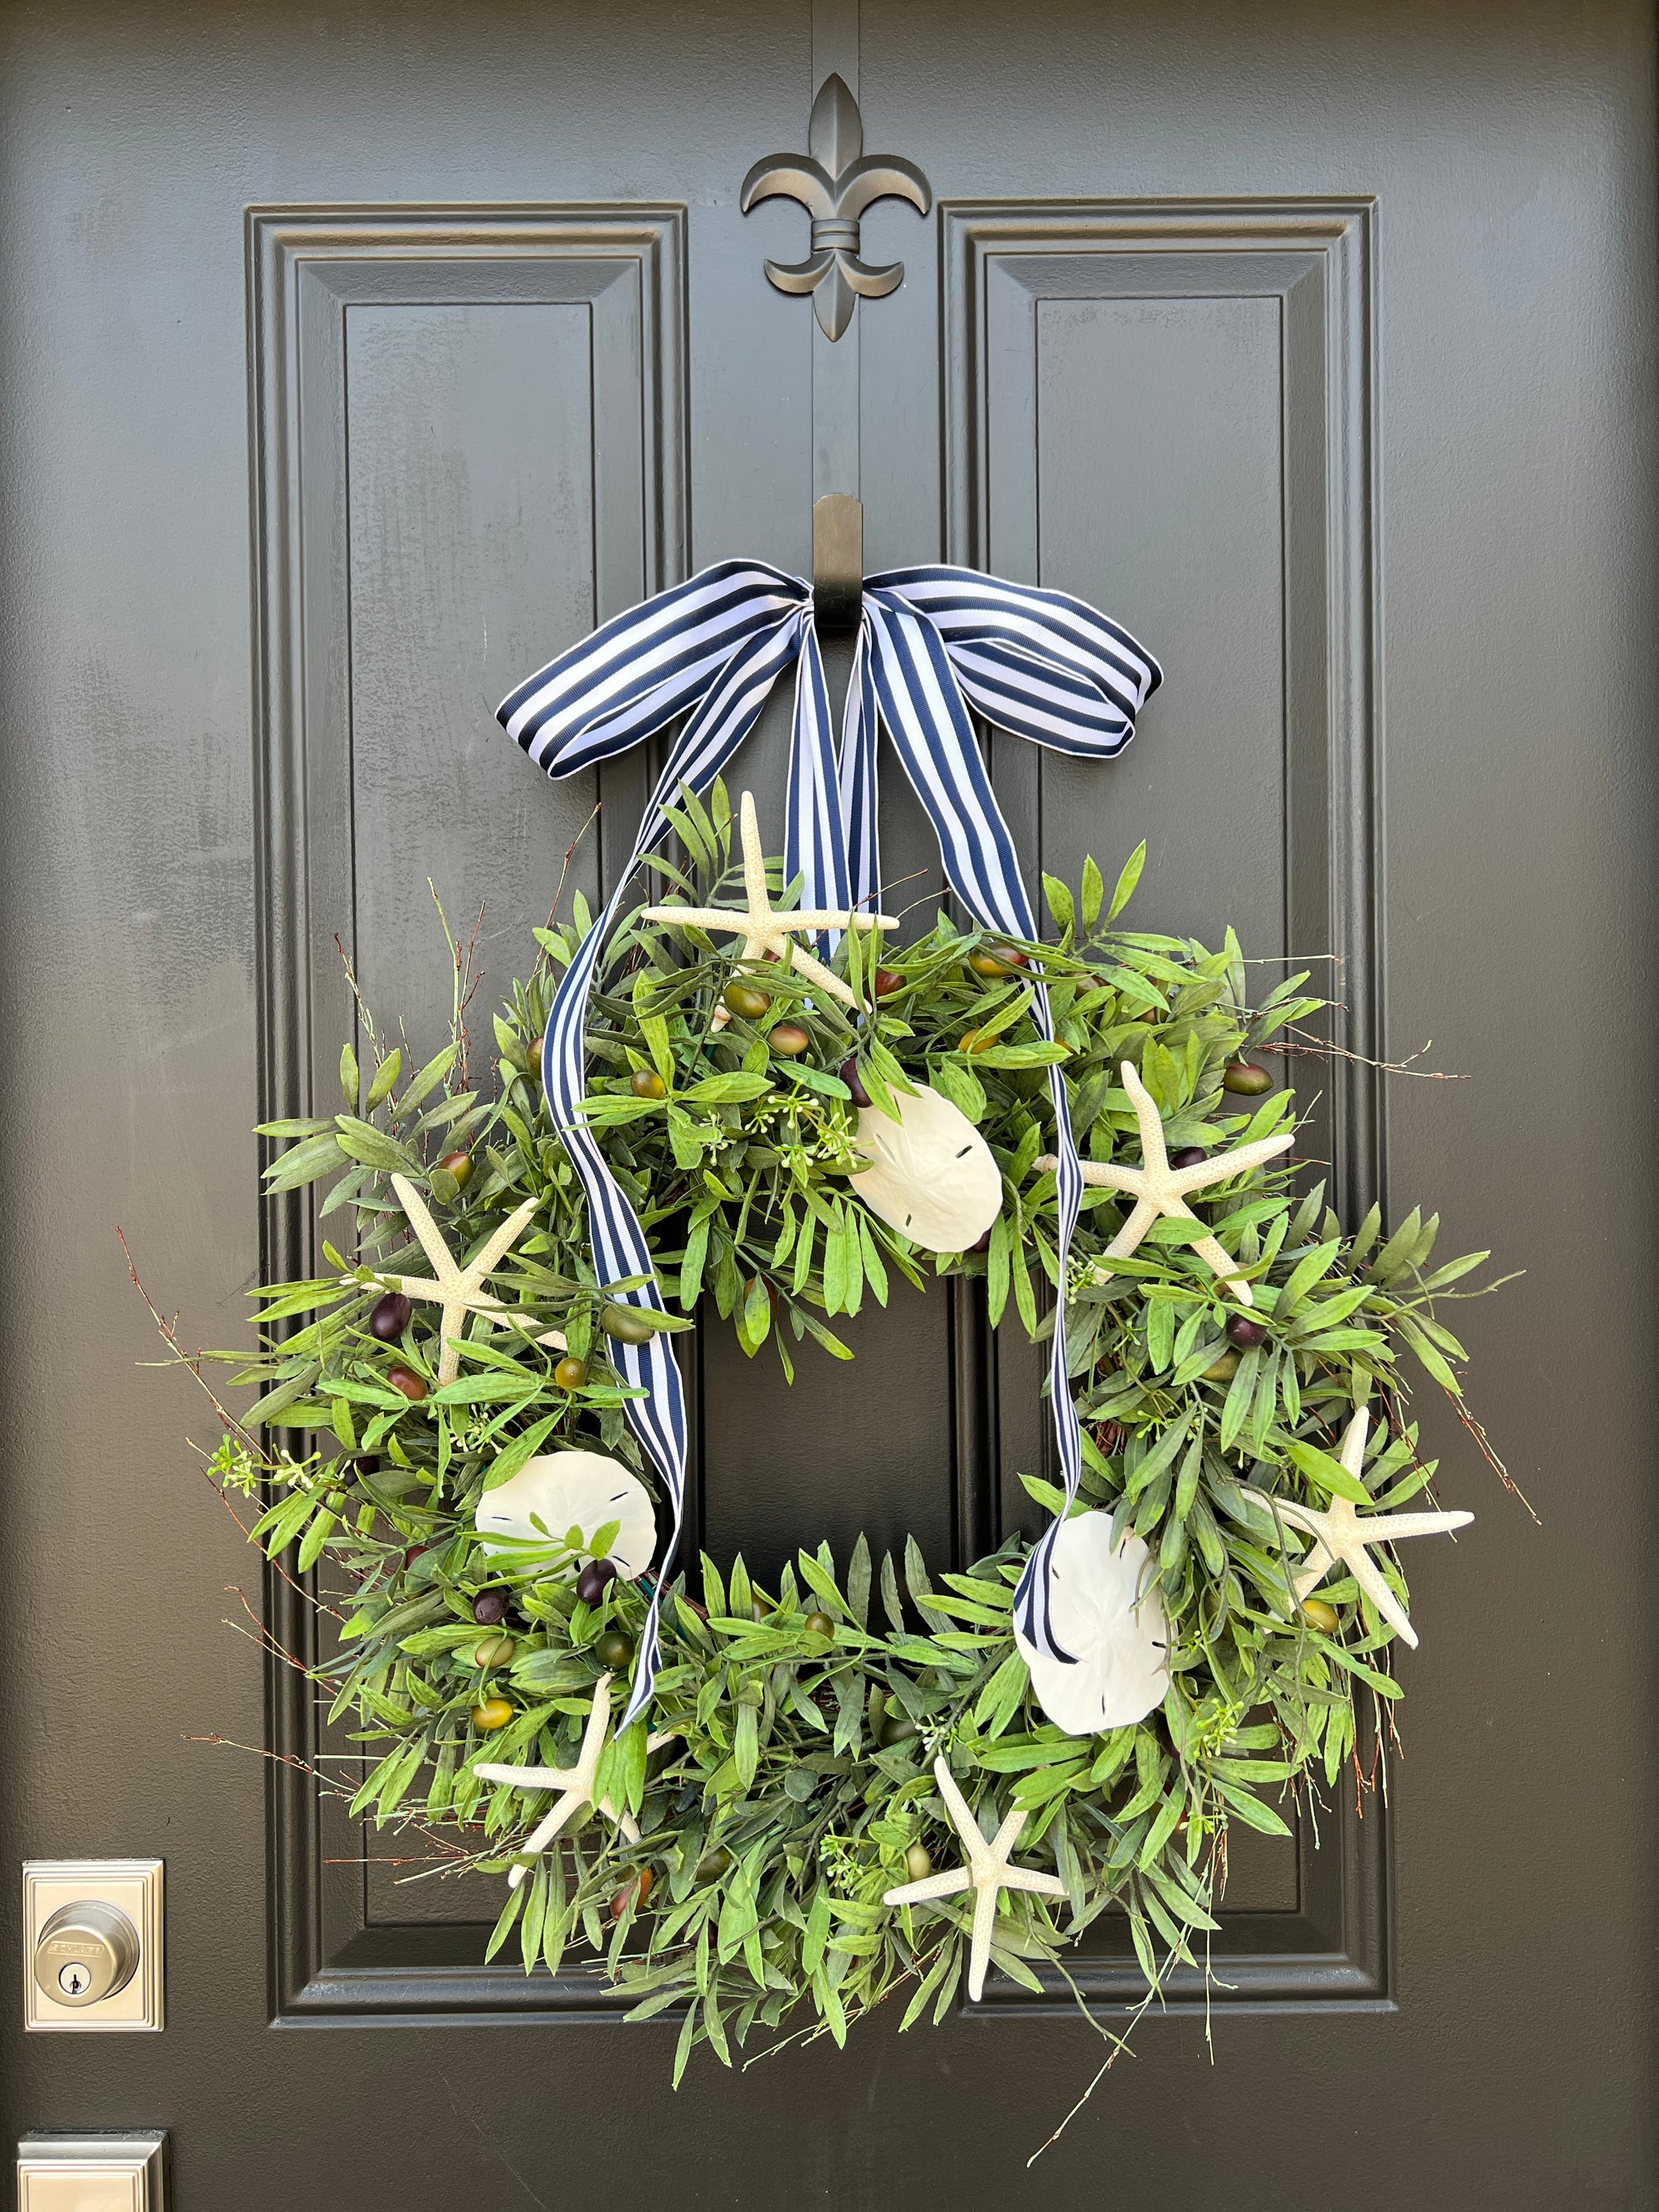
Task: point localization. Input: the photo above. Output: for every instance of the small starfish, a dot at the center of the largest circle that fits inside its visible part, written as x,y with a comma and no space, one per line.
1159,1189
986,1872
763,930
459,1291
574,1784
1339,1534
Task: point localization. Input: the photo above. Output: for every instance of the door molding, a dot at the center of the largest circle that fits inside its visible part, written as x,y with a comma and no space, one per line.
1000,262
624,266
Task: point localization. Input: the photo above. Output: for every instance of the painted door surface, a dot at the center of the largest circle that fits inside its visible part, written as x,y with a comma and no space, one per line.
358,358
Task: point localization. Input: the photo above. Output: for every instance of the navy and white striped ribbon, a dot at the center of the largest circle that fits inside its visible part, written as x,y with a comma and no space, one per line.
933,640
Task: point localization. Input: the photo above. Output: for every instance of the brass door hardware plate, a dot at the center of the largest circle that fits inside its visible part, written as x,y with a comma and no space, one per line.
91,2173
92,1947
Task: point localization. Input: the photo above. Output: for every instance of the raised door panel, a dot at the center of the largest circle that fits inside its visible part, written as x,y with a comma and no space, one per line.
1164,408
468,451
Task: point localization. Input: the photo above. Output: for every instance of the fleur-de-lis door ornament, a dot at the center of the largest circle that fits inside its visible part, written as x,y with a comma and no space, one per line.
835,181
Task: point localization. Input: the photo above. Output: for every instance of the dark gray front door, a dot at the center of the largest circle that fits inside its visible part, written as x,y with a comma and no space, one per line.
357,359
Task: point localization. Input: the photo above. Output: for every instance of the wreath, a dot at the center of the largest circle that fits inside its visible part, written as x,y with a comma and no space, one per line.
874,1779
865,1781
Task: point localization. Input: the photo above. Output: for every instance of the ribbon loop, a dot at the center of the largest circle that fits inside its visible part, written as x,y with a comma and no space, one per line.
933,640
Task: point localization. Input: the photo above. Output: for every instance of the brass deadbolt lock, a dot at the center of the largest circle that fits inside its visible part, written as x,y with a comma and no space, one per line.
85,1953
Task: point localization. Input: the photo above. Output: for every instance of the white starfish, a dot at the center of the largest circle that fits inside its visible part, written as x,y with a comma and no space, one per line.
762,929
1339,1533
1159,1190
458,1290
574,1784
986,1872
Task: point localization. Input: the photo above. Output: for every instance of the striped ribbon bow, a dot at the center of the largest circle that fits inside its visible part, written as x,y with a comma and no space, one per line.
932,643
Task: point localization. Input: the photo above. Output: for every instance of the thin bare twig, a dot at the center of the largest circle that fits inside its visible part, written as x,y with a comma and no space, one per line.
267,1642
1313,1048
569,855
361,1002
1484,1447
468,976
192,1363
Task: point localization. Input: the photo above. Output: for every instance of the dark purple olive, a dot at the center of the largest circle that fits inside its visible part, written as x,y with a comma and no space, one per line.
1189,1156
849,1076
390,1317
489,1608
983,1242
590,1583
1243,1332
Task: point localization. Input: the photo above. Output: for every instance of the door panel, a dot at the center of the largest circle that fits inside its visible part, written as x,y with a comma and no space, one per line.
1161,418
1222,319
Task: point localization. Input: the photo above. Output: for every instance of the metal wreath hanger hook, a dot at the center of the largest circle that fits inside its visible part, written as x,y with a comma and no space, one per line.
837,561
835,181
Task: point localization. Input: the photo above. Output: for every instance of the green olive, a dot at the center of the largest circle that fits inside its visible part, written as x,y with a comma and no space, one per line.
615,1650
646,1083
494,1651
1225,1367
743,998
717,1862
1319,1615
624,1324
788,1040
460,1165
820,1624
1246,1078
898,1727
493,1713
918,1862
570,1374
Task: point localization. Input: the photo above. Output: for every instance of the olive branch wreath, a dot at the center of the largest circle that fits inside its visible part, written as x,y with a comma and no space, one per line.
739,1877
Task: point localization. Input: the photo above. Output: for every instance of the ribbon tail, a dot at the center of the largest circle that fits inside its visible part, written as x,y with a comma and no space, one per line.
727,714
933,736
859,791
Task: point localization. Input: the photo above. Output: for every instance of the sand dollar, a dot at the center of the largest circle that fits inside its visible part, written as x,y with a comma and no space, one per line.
1108,1615
568,1490
931,1174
